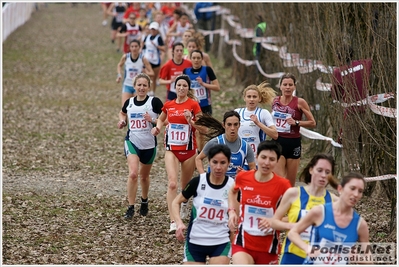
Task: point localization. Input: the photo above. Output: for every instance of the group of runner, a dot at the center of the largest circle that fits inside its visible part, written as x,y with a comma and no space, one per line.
238,213
156,27
247,195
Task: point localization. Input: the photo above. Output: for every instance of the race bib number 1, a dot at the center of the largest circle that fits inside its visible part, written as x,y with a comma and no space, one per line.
252,217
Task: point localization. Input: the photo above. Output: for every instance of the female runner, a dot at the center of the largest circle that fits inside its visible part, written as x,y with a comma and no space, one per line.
287,112
134,63
180,143
335,224
260,192
208,233
256,123
297,201
140,112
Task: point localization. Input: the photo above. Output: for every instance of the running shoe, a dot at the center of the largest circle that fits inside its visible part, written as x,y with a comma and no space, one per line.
172,228
184,210
129,213
144,208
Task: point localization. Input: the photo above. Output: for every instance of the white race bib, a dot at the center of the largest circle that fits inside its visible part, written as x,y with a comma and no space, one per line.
178,134
305,235
132,73
137,123
251,142
252,216
150,54
200,91
172,84
280,121
212,211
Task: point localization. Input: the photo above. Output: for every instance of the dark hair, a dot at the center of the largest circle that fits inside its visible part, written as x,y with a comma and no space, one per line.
219,148
178,12
135,41
214,127
184,77
287,76
269,145
229,114
196,51
352,175
190,92
307,177
184,14
176,44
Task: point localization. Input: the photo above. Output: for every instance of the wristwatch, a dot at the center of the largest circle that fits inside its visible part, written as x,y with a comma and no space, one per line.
297,123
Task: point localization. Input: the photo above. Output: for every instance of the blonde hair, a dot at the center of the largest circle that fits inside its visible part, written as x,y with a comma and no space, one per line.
156,12
191,94
198,39
266,93
142,75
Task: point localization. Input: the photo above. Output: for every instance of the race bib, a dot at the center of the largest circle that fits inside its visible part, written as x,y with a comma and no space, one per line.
212,211
252,216
200,91
150,54
280,121
172,85
305,235
119,17
178,134
252,142
132,73
137,123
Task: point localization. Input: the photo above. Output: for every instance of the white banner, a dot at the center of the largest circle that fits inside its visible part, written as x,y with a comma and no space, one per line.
380,178
384,111
379,98
313,135
323,86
